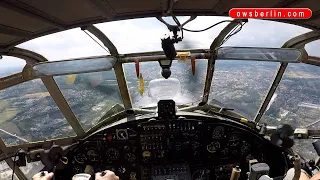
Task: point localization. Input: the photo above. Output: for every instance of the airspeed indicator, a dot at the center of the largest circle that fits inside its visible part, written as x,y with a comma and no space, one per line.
213,146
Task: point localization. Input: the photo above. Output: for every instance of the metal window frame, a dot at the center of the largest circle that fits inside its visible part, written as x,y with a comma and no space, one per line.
32,58
118,68
296,42
10,163
212,60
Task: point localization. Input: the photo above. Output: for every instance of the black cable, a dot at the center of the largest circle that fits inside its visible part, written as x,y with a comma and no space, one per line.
207,27
176,20
233,32
14,162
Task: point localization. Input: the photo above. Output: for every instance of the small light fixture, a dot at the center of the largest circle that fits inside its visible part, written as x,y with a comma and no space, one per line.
165,65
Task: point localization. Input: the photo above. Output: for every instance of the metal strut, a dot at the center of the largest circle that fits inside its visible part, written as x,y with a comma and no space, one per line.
296,42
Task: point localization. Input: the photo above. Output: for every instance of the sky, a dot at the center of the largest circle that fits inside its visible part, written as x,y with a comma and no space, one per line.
141,35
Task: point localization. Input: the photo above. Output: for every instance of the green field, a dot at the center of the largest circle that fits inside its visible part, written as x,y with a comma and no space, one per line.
7,112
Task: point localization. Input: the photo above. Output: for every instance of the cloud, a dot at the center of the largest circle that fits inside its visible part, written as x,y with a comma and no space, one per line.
141,35
8,61
312,48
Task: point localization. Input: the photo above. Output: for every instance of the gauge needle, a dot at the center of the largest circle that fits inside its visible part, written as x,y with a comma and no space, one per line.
122,135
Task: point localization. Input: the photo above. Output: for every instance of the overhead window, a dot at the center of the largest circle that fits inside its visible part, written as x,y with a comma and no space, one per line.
11,65
73,43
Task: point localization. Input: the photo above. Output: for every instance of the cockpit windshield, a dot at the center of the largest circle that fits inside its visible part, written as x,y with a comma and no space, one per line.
28,111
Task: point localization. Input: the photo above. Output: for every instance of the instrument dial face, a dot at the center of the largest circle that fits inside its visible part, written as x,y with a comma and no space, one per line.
233,138
122,134
93,155
201,174
225,152
233,141
130,157
245,148
195,145
213,146
113,154
80,158
218,132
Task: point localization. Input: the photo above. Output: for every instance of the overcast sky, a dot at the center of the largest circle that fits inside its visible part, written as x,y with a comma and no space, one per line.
142,35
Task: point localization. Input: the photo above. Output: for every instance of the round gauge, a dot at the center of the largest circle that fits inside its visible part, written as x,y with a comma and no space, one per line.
225,151
122,169
80,158
245,148
146,154
195,145
234,152
201,174
233,141
218,132
122,134
213,146
130,157
113,154
93,155
233,138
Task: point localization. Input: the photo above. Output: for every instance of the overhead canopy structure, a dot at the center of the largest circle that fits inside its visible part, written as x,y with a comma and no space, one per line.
23,20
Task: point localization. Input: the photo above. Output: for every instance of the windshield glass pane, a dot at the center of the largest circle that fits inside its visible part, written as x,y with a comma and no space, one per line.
29,113
305,148
6,172
90,95
263,33
182,86
73,43
145,33
259,54
297,98
313,48
31,169
10,65
242,85
141,35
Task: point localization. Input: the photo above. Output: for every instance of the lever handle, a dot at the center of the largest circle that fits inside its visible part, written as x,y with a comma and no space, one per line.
316,146
235,173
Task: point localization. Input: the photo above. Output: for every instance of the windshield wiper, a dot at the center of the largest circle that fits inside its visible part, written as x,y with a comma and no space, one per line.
115,109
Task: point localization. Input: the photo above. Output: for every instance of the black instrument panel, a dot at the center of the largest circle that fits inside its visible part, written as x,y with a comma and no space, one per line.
184,149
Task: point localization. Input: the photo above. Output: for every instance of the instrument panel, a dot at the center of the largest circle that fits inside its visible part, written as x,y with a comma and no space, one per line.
176,149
